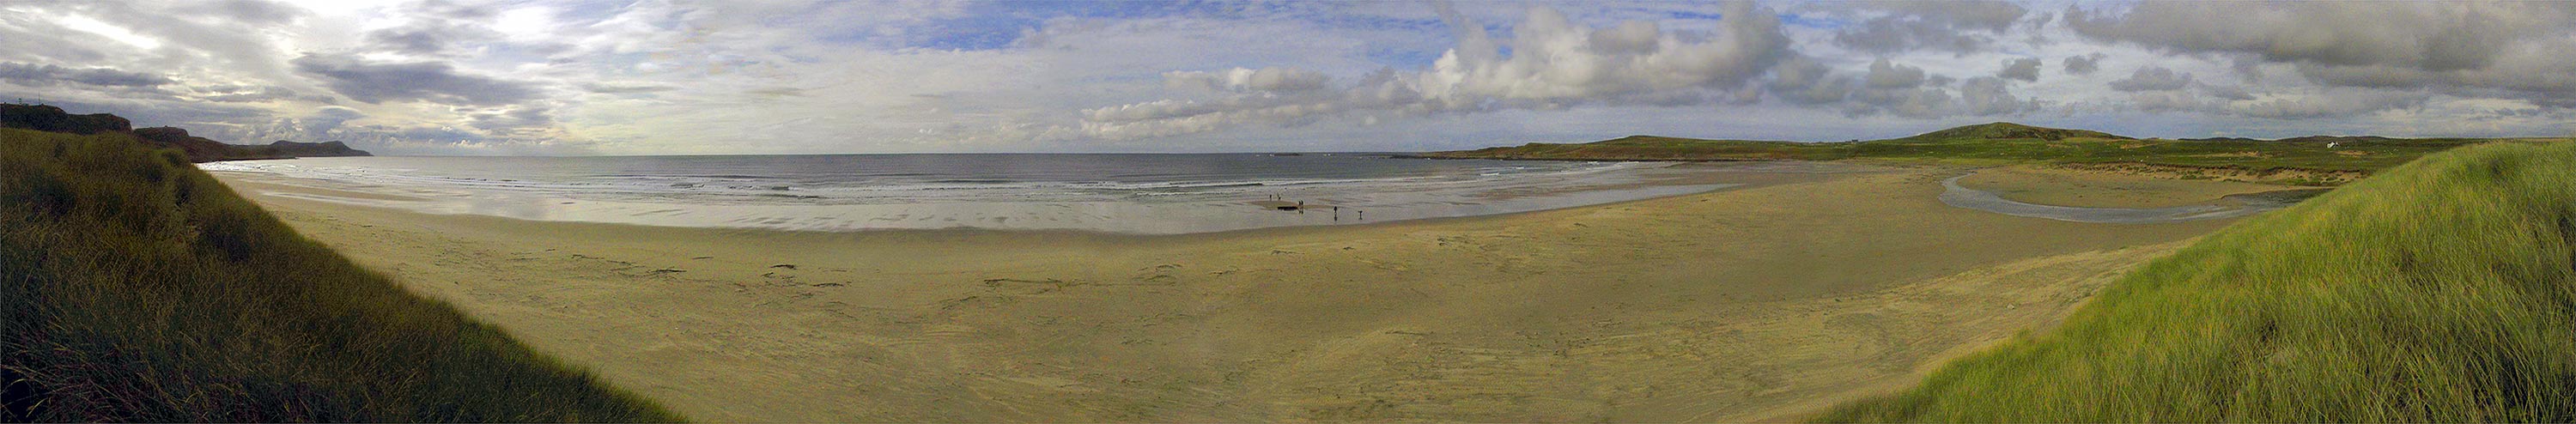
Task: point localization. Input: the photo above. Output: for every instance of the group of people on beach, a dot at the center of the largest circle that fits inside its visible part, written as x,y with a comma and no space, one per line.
1337,210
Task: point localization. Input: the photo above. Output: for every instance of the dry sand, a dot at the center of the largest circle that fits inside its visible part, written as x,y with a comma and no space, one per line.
1755,303
2060,186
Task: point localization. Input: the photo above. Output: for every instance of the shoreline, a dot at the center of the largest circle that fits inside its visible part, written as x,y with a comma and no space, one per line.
1733,303
262,185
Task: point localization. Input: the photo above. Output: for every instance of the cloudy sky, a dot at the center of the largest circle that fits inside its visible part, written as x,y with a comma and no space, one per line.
688,77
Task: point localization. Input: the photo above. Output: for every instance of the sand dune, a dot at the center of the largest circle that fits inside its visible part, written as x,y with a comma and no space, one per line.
1753,303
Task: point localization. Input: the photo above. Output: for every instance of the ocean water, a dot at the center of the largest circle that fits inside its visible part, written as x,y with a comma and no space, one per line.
1135,193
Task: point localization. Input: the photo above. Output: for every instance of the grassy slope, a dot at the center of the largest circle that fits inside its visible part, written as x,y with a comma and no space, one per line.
2438,291
136,288
2003,142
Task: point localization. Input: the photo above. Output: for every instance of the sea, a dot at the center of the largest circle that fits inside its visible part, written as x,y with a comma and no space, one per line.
1123,193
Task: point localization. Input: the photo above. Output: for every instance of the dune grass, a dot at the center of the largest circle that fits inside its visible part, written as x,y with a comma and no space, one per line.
137,288
2442,290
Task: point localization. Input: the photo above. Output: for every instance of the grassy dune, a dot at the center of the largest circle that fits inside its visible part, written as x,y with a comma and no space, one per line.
2006,142
2438,291
136,288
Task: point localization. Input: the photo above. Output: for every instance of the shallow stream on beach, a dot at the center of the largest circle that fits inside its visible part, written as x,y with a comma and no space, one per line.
2229,206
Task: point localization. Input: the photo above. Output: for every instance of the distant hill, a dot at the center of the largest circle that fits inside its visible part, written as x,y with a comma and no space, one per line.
2304,160
2010,131
198,149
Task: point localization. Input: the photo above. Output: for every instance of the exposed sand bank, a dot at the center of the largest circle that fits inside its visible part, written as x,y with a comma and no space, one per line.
1756,302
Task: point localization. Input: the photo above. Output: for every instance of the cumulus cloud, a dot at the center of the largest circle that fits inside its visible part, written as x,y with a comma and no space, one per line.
2153,78
1887,75
1271,79
1889,88
35,75
2025,69
1549,63
2084,64
433,81
1988,96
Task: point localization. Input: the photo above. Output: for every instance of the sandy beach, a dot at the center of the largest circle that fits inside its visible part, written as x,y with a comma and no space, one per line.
1757,302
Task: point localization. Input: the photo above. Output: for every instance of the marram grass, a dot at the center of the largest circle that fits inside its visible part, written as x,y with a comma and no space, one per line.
134,287
2442,290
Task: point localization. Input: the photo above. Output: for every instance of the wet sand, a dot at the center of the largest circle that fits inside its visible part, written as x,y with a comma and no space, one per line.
1757,302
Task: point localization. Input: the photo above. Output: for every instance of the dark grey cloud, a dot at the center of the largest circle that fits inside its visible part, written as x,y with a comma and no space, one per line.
414,40
2153,78
2428,36
407,81
328,118
2475,49
1803,81
1961,26
2232,92
2084,64
35,75
2025,69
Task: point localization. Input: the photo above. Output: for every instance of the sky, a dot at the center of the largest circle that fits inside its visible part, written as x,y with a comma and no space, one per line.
600,77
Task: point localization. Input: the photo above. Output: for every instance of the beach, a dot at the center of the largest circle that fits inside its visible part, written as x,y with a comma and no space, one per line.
1760,301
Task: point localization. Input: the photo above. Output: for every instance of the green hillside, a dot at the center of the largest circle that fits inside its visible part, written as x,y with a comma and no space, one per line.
2010,143
2443,290
137,288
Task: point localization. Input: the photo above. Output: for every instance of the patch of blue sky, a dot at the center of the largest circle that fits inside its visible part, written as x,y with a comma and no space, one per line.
585,12
997,24
1824,22
1404,58
1692,15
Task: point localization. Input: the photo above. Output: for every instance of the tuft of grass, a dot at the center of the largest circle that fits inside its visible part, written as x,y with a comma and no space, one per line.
2443,290
134,287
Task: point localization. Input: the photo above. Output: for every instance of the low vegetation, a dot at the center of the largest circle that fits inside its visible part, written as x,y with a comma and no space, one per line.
136,288
2443,290
2015,143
